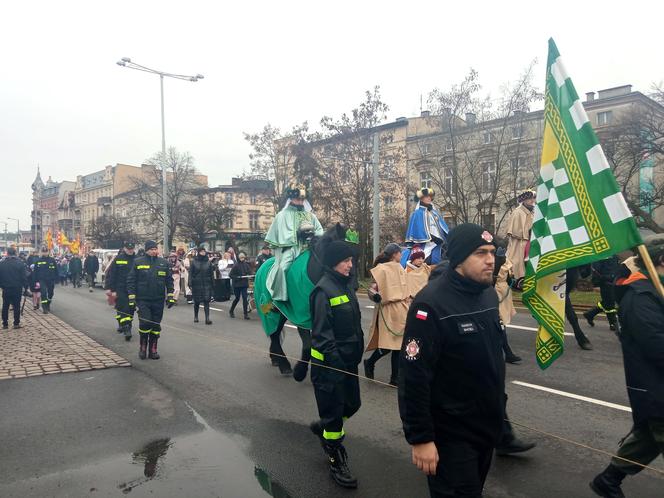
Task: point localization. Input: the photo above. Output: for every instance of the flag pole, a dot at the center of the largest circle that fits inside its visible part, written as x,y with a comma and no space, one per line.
654,276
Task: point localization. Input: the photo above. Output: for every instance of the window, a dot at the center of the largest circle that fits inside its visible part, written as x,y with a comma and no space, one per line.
425,179
449,145
487,137
488,177
450,221
253,220
229,198
517,132
389,163
426,149
449,182
489,222
604,118
228,225
252,198
388,201
516,166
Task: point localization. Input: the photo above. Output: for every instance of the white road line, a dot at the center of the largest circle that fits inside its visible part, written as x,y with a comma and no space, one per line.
574,396
369,307
216,309
290,326
533,329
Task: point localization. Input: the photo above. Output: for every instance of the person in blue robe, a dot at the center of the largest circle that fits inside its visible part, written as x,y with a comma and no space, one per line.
426,229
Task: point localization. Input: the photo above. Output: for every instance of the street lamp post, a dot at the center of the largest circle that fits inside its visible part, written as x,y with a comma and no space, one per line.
18,230
126,62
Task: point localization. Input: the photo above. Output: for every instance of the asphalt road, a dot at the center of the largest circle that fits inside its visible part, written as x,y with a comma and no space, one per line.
222,371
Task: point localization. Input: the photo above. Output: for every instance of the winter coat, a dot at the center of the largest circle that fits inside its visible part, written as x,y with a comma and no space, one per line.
91,265
200,279
75,265
150,279
389,317
13,273
641,315
118,271
239,270
46,269
452,368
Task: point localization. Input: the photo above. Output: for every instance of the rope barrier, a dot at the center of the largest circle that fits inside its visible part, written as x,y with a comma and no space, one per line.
375,381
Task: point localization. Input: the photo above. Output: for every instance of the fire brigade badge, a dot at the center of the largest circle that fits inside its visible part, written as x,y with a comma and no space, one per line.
412,350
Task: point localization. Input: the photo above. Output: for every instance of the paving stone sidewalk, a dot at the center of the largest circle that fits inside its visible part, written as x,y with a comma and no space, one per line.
47,345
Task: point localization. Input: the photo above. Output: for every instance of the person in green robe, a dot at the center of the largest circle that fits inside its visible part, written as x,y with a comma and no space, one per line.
288,235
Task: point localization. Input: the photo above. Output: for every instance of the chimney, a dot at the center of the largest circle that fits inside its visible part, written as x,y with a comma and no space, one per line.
471,118
425,114
590,96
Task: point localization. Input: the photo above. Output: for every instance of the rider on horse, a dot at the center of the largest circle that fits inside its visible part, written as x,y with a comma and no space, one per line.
426,229
289,233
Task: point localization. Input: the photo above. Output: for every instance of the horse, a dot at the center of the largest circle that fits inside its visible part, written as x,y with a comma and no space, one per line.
301,278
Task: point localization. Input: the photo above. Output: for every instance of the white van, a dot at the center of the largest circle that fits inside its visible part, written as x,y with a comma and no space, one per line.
105,257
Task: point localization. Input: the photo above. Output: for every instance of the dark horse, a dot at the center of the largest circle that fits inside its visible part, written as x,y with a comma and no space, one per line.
314,271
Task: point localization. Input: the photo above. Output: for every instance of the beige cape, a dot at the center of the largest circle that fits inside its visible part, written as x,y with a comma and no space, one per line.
518,233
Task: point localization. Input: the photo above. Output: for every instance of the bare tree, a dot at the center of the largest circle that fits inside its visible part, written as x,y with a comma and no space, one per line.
488,155
340,166
109,231
181,181
634,145
273,155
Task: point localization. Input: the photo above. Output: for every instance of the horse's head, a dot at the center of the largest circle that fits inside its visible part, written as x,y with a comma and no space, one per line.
338,231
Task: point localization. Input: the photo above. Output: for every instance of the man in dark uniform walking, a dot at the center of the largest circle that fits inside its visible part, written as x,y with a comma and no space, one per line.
13,278
116,282
337,342
452,369
46,273
149,285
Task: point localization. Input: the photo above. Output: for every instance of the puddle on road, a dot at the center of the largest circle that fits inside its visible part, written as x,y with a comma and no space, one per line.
204,464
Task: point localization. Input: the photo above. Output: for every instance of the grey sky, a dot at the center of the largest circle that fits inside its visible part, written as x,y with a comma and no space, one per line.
66,105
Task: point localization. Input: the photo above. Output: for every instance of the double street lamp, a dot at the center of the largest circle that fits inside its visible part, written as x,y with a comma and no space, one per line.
127,62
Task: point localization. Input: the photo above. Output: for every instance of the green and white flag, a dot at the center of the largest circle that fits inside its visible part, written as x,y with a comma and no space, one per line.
580,215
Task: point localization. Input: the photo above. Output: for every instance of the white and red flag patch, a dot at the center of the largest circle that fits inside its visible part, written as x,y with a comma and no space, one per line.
421,315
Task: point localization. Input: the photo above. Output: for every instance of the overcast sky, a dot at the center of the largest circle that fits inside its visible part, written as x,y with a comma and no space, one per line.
66,105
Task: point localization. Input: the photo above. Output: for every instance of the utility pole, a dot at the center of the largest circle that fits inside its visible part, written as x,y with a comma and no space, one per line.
163,170
376,197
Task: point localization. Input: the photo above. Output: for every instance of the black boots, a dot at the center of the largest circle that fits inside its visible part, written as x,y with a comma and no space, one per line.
369,367
338,459
607,484
513,446
153,355
143,348
582,340
590,315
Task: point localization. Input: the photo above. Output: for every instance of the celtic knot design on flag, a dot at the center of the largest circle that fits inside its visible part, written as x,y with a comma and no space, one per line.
580,215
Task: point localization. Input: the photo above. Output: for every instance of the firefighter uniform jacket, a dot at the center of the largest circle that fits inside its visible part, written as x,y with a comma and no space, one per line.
452,369
46,269
337,339
118,271
150,279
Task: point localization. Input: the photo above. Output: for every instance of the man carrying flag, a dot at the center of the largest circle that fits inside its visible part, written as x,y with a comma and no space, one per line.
580,215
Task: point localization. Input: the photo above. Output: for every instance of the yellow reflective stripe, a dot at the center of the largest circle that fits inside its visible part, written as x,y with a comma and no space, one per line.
44,301
333,436
126,319
120,262
170,294
144,331
336,301
155,332
161,273
42,262
143,267
132,296
317,354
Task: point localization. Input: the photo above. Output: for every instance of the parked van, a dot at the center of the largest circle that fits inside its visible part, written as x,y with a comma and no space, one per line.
105,257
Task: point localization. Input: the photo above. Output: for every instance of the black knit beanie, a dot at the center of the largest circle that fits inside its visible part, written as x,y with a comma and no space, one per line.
463,240
150,244
336,252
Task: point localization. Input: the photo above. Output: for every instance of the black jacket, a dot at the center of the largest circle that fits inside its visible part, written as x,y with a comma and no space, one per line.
91,264
200,279
75,265
452,369
641,315
605,271
239,270
337,339
46,269
150,279
13,273
262,258
118,271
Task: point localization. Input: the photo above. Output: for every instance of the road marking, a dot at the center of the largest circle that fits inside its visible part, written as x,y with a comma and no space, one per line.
216,309
573,396
290,326
369,307
533,329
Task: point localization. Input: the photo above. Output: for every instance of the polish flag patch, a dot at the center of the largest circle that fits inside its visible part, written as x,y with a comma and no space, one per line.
421,315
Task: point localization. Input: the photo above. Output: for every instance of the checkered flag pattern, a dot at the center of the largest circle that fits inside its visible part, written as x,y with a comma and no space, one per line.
580,215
